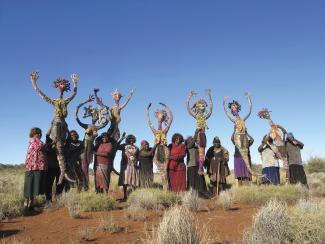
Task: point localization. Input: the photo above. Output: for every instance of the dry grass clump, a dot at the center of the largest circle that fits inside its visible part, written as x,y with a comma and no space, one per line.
277,223
153,199
177,226
107,224
225,200
86,201
316,183
260,195
191,200
135,213
307,222
85,234
11,205
315,165
269,224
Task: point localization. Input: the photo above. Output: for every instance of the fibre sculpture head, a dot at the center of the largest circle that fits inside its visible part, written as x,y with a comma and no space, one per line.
91,112
116,95
63,85
234,107
162,116
264,114
199,106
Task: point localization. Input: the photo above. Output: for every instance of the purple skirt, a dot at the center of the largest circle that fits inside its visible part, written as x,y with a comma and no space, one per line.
240,168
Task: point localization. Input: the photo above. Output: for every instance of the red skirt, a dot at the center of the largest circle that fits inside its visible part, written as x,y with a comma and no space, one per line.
177,177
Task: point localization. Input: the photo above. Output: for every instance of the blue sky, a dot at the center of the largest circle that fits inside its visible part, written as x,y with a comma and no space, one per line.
273,49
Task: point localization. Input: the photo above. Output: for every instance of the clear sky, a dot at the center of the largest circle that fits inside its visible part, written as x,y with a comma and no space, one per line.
273,49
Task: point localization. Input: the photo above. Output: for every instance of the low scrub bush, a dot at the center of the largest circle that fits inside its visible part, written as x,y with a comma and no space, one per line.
88,201
315,165
11,205
316,183
260,195
154,199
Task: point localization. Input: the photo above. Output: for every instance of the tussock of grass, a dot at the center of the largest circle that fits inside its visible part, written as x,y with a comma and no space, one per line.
225,200
107,224
269,224
316,183
11,205
315,165
88,201
177,226
191,200
260,195
135,213
277,223
154,199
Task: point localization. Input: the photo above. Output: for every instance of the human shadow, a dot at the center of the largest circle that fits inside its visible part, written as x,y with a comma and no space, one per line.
7,233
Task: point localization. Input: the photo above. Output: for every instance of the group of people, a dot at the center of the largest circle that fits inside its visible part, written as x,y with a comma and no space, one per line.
65,160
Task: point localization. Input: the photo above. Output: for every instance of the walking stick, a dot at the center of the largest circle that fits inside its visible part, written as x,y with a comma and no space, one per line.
218,175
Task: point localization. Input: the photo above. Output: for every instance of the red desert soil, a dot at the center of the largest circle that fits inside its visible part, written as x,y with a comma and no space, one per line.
56,226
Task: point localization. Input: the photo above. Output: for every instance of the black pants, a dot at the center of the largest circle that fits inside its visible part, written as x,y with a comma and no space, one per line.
53,175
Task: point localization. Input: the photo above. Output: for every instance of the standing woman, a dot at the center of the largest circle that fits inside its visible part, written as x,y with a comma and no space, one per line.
176,166
128,169
146,165
104,164
195,180
35,167
216,160
270,162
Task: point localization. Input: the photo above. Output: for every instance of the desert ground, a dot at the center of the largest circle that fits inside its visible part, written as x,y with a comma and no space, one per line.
246,214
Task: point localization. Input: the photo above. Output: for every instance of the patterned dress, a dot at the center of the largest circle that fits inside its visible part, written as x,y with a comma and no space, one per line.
35,166
130,174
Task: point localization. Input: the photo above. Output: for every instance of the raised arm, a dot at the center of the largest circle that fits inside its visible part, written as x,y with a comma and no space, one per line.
99,100
75,79
149,120
208,91
189,110
169,122
90,99
34,76
226,110
284,131
249,104
128,99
